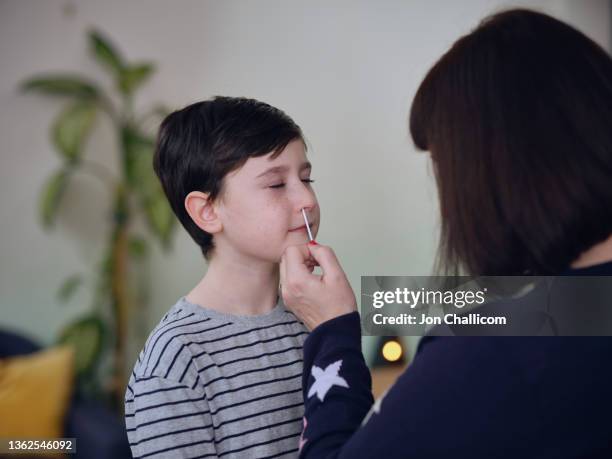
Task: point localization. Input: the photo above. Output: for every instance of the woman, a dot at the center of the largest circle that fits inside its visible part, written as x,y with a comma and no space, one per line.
516,118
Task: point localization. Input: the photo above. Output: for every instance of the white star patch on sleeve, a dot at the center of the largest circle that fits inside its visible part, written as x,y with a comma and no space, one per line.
326,379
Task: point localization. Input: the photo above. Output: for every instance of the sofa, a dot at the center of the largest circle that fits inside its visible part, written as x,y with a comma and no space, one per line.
100,433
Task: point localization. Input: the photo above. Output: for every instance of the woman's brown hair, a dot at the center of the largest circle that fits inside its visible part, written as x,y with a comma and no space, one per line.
517,117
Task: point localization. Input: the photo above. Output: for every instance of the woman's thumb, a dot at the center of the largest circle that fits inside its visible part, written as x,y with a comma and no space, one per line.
325,257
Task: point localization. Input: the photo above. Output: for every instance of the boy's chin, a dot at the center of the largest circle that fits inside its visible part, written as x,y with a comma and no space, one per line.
273,252
296,239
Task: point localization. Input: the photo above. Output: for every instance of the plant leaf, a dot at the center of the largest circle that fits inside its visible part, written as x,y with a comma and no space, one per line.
138,247
72,127
137,158
86,335
133,76
105,53
138,163
51,196
68,288
62,85
160,217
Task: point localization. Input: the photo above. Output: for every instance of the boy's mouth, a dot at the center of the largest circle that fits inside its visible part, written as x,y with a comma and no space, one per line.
302,227
299,228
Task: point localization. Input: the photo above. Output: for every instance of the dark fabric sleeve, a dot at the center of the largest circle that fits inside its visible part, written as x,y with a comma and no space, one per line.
432,411
333,350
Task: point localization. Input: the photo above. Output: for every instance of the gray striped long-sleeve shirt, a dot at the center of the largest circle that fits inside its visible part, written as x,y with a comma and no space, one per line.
209,384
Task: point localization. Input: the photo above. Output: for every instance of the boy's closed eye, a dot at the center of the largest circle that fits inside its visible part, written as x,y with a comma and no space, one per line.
280,185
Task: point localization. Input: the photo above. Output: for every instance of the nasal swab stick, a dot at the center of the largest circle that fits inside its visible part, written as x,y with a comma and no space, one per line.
307,226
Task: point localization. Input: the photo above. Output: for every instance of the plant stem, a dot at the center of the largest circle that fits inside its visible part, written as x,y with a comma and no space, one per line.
120,292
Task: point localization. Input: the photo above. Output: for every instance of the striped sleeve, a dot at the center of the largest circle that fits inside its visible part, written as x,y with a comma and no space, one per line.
168,419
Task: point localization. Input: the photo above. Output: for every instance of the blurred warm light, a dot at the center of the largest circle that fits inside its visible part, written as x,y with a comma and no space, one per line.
392,351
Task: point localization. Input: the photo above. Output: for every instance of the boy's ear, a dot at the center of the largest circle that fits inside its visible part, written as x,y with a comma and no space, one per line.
202,211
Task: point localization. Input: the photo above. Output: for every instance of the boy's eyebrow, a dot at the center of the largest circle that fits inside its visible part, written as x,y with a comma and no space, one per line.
278,169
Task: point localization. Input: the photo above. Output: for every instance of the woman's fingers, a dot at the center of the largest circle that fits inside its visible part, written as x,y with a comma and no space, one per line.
325,257
315,299
296,259
295,264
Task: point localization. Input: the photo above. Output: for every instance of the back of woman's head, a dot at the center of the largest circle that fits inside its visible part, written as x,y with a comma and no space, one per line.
517,118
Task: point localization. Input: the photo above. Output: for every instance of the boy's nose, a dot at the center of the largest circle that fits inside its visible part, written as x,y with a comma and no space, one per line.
307,202
308,209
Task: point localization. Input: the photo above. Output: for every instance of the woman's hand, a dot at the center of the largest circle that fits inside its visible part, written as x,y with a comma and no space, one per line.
312,298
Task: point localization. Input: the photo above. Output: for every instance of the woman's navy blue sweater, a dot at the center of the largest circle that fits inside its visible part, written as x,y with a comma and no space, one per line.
461,397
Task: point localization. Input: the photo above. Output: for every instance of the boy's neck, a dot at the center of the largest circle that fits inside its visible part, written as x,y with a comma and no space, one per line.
236,286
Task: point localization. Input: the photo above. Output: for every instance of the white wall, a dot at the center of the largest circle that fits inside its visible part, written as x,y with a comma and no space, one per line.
344,70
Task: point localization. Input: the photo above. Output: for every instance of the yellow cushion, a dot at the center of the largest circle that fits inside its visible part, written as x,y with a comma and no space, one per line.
34,393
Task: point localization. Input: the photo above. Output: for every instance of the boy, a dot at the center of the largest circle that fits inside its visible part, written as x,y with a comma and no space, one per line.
220,375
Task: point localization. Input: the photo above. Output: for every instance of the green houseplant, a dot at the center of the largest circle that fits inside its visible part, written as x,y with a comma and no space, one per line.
100,337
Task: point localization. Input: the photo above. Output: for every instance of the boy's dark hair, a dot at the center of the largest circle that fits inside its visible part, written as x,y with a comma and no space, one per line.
200,144
516,116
